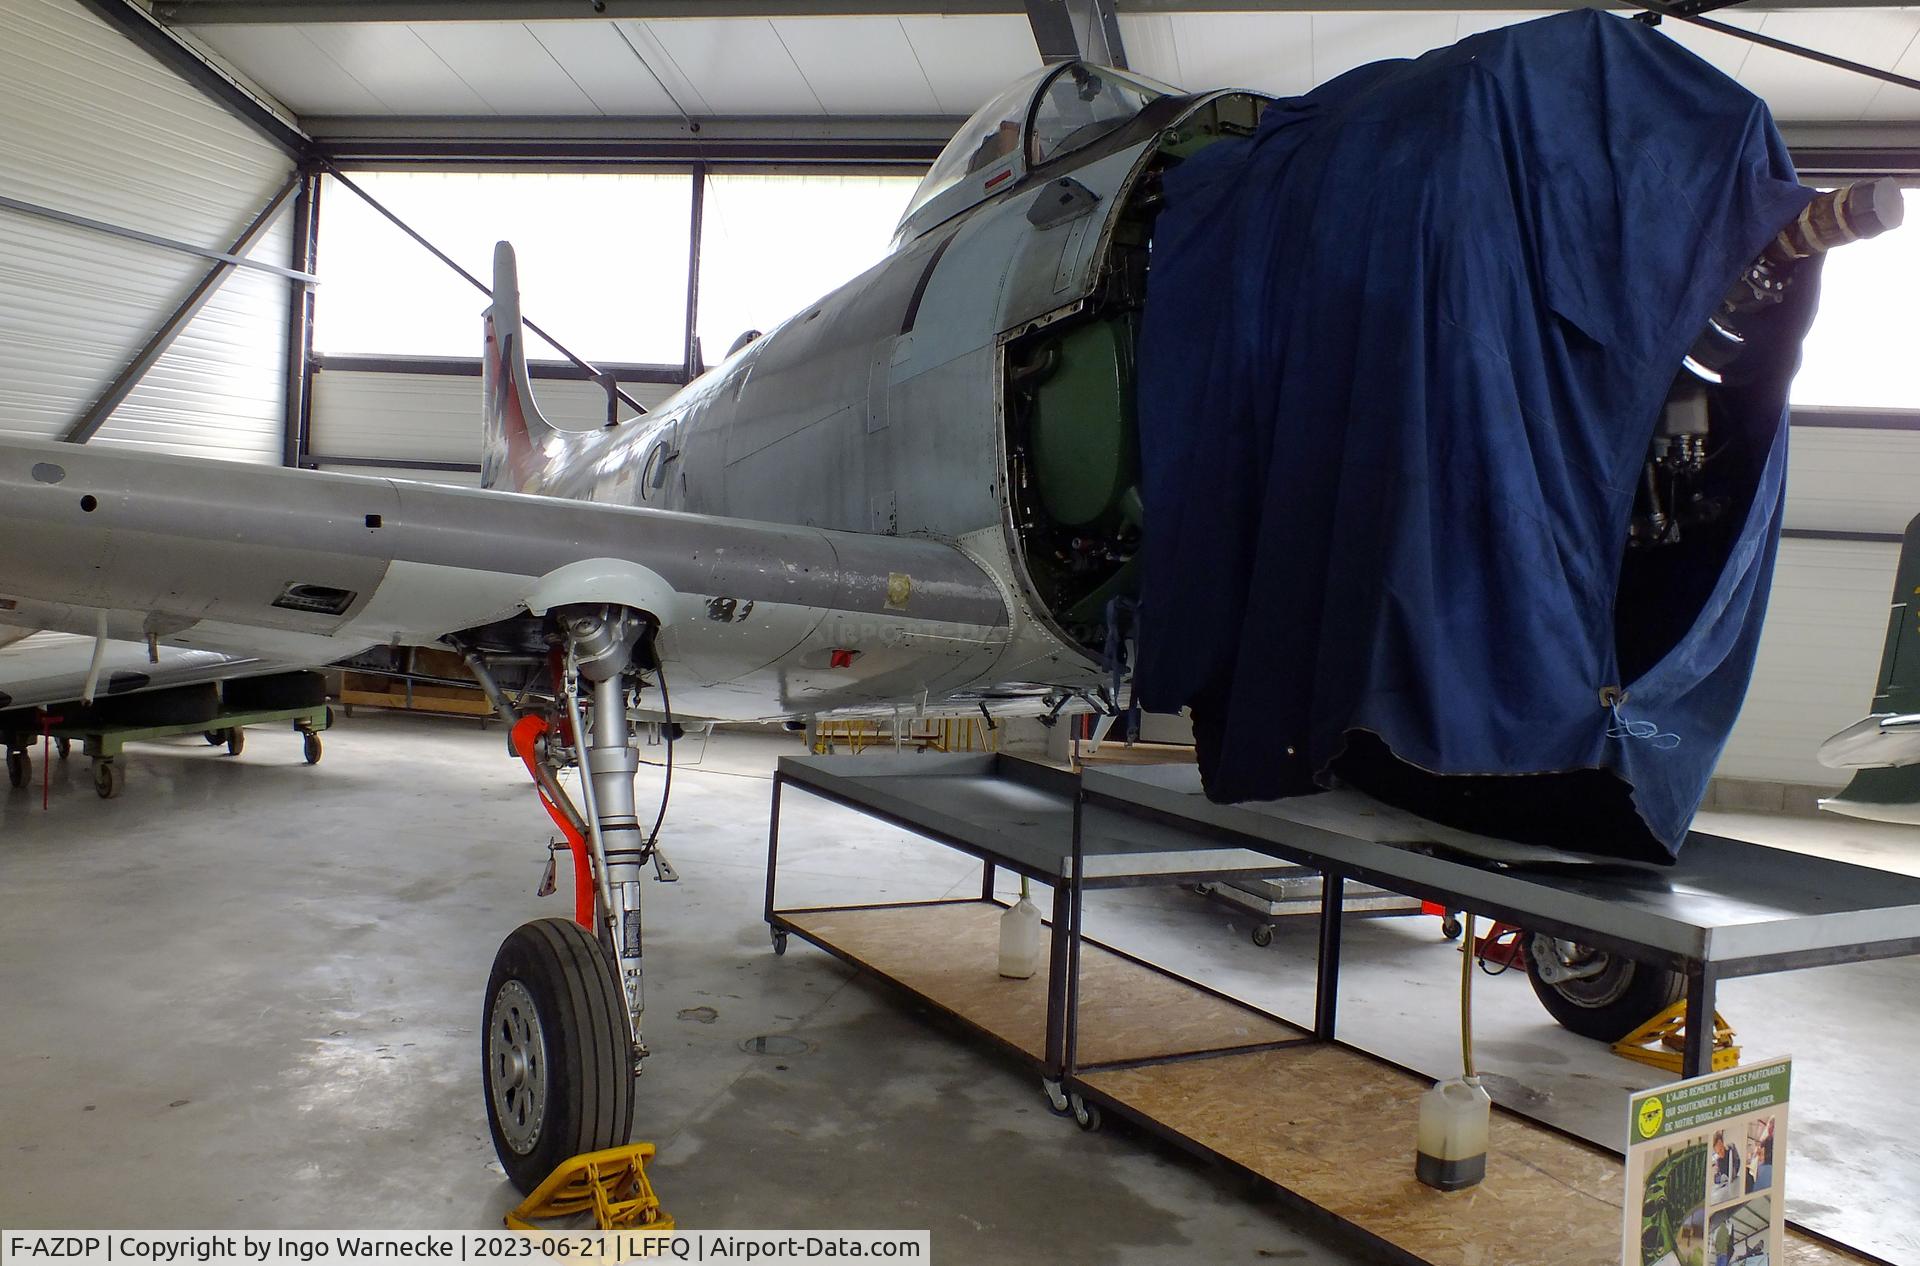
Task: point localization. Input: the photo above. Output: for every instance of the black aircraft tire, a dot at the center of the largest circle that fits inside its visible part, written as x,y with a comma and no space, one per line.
1607,1007
556,1058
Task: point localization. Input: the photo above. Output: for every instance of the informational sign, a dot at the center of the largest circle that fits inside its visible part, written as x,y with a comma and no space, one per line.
1706,1164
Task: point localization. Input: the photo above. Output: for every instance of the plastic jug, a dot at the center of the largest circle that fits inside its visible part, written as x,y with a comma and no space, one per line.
1453,1134
1020,939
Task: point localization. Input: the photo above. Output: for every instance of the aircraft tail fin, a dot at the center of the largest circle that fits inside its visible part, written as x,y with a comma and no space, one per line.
1883,748
515,432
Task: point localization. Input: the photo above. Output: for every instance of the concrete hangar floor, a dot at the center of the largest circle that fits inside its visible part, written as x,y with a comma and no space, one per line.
245,993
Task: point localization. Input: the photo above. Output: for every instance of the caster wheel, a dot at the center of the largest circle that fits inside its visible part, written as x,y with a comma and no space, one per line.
236,741
106,779
64,746
19,768
214,737
1057,1102
1450,928
310,747
555,1051
779,943
1085,1115
1263,935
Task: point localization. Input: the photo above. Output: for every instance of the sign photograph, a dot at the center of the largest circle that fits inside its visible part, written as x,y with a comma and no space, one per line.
1705,1170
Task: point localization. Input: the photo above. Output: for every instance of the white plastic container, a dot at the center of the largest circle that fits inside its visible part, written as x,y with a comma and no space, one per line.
1020,939
1454,1116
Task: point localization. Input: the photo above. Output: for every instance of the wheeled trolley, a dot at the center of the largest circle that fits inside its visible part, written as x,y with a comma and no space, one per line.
105,744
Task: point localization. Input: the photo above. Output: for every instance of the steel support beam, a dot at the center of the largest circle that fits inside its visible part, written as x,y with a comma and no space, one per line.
227,258
299,360
1076,30
312,461
102,408
221,12
908,140
1654,10
695,229
469,367
163,46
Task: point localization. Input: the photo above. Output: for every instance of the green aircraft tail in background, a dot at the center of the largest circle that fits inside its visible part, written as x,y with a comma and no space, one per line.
1883,748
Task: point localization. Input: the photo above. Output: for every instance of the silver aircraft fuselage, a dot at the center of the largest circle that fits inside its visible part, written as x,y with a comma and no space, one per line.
883,407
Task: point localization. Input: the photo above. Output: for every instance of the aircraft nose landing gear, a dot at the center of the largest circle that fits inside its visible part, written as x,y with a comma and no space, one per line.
560,1040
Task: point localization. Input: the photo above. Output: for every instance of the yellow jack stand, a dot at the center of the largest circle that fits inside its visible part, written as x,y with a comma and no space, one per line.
613,1184
1661,1040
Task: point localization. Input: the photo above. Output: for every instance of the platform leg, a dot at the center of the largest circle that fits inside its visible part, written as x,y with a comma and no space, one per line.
987,873
1326,997
1702,981
1056,1050
1076,888
773,842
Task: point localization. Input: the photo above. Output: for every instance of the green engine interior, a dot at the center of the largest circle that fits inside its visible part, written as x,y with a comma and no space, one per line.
1073,444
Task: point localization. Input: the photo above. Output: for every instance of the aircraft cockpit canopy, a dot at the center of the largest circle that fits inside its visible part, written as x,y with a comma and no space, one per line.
1039,119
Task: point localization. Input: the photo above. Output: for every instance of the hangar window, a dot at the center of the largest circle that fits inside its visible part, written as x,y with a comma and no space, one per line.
1859,353
772,243
603,262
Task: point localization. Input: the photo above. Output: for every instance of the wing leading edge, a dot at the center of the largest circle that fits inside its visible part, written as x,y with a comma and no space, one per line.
305,567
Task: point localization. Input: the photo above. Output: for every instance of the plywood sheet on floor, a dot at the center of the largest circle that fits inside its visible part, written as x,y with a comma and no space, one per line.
951,954
1337,1129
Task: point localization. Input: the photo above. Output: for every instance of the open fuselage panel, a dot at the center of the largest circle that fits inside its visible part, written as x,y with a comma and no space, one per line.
1071,428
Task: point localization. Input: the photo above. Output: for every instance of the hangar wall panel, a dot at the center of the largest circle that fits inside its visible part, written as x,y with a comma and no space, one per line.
92,125
1852,479
1819,659
436,417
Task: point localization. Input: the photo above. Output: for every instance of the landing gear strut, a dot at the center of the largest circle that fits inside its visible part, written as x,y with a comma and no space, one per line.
561,1035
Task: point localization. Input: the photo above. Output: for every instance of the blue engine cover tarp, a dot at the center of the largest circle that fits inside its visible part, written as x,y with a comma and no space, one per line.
1403,355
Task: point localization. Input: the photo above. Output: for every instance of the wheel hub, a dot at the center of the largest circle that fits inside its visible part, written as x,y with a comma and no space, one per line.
517,1066
1584,976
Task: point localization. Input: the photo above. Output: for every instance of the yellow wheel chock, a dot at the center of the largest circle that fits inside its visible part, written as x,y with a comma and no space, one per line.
612,1184
1661,1040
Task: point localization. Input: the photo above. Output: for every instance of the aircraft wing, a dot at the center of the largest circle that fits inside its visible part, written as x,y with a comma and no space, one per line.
38,668
305,567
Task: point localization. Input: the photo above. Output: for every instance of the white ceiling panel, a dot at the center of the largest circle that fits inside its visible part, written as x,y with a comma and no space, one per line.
605,66
303,78
1272,52
858,65
738,65
395,65
928,64
1342,41
1148,39
1725,53
1796,88
511,70
1891,101
967,58
1466,24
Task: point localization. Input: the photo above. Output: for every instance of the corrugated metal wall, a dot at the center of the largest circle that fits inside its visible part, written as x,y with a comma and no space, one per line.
92,125
435,417
1819,657
1827,617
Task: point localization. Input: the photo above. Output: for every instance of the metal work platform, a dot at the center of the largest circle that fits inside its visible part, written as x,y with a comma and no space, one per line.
1107,1030
105,744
